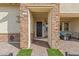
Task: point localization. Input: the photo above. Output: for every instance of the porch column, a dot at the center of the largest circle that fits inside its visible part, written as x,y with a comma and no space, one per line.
23,26
55,26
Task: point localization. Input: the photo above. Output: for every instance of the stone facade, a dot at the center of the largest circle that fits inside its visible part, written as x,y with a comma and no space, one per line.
55,26
23,26
9,37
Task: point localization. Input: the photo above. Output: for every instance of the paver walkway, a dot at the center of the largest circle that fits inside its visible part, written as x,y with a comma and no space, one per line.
39,48
70,46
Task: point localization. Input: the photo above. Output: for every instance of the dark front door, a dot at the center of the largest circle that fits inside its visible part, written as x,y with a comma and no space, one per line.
39,29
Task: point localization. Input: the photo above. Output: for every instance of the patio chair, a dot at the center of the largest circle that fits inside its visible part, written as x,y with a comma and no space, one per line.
65,35
75,35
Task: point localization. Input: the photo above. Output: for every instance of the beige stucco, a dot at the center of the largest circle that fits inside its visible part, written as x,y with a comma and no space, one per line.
69,8
73,23
9,5
70,13
40,9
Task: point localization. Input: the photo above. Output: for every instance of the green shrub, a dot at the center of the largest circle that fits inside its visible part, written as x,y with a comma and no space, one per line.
24,52
54,52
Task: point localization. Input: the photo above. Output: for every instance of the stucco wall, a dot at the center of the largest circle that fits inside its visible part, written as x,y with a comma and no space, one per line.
69,8
75,25
74,9
8,20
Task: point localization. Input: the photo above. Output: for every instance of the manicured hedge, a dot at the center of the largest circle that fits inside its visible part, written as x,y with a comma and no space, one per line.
54,52
24,52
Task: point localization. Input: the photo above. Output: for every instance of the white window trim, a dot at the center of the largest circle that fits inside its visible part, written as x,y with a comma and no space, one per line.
64,26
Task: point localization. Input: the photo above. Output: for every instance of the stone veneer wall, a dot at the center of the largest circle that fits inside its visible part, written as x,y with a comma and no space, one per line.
23,26
6,37
55,26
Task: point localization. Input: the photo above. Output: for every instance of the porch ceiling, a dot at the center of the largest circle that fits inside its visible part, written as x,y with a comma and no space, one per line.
40,15
40,4
39,9
9,4
69,14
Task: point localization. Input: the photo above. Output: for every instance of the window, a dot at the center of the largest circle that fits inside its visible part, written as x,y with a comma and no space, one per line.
60,26
64,26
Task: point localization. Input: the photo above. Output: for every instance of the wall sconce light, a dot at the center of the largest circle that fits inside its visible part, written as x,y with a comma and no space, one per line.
24,12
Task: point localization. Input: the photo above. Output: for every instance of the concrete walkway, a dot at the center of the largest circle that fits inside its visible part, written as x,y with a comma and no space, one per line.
6,48
39,48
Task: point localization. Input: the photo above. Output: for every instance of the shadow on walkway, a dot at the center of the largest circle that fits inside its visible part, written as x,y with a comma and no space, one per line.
41,43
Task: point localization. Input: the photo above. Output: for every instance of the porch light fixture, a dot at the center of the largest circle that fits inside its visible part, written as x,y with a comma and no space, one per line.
24,12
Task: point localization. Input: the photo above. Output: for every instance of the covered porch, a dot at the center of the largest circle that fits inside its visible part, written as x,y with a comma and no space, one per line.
69,24
42,22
